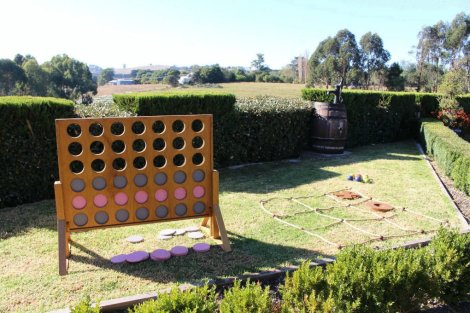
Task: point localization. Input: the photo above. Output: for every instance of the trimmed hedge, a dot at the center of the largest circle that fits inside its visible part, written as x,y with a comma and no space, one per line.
147,104
374,117
429,102
248,130
451,152
28,152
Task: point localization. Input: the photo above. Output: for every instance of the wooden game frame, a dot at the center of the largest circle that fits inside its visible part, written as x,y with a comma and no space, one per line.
79,141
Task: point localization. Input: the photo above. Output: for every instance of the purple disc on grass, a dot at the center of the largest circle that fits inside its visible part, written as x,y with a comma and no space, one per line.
201,247
179,251
120,258
160,255
136,257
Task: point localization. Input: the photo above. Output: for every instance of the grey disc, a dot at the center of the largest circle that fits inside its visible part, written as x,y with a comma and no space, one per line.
196,235
122,215
191,229
160,179
135,239
161,211
168,232
80,219
99,183
199,207
198,175
142,213
101,217
140,180
179,177
120,181
180,232
77,184
163,237
180,209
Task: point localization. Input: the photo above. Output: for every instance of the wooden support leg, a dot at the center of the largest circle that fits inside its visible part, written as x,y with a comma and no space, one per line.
63,247
221,229
205,221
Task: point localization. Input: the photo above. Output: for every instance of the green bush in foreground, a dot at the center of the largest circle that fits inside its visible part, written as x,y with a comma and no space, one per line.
451,152
84,306
250,299
196,300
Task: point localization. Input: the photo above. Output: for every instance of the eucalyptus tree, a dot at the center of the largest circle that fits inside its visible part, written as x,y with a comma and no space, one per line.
373,56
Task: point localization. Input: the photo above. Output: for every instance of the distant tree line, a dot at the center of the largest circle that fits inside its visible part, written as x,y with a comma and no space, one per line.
442,54
61,77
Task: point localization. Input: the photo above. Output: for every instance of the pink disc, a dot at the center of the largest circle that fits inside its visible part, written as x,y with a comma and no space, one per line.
100,200
180,193
136,257
121,198
179,251
120,258
199,191
141,196
201,247
160,255
161,195
78,202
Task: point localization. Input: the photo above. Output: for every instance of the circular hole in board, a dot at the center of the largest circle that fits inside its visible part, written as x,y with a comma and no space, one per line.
97,147
117,129
198,159
179,177
178,143
76,166
75,148
96,129
122,215
98,165
138,145
74,130
161,211
118,146
198,176
119,164
197,126
197,142
178,126
99,183
179,160
159,144
159,161
138,128
139,163
77,184
158,127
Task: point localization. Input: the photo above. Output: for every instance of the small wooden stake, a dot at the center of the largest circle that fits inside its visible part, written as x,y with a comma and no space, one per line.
62,247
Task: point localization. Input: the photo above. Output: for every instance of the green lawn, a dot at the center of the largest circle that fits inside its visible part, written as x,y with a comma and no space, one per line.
29,280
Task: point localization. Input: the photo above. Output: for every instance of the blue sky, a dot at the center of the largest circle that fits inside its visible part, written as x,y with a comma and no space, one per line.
184,32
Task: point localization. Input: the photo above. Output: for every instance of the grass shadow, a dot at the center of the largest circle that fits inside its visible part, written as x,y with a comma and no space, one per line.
194,267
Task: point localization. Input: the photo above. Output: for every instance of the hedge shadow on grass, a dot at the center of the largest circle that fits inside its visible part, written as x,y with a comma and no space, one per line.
248,256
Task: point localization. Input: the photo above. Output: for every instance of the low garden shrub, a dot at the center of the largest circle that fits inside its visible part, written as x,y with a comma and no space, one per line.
250,298
85,306
374,117
451,152
195,300
28,152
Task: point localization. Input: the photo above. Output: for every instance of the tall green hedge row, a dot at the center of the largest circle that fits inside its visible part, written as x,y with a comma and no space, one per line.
374,117
451,152
245,130
28,152
429,102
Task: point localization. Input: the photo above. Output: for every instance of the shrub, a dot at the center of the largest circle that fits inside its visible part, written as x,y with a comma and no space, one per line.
195,300
101,107
306,290
374,117
450,263
28,157
451,153
250,299
428,103
84,306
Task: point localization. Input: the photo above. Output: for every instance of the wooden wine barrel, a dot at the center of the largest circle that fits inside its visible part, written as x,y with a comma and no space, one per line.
329,128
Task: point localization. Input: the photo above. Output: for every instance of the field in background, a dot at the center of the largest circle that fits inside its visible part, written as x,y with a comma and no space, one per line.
239,89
